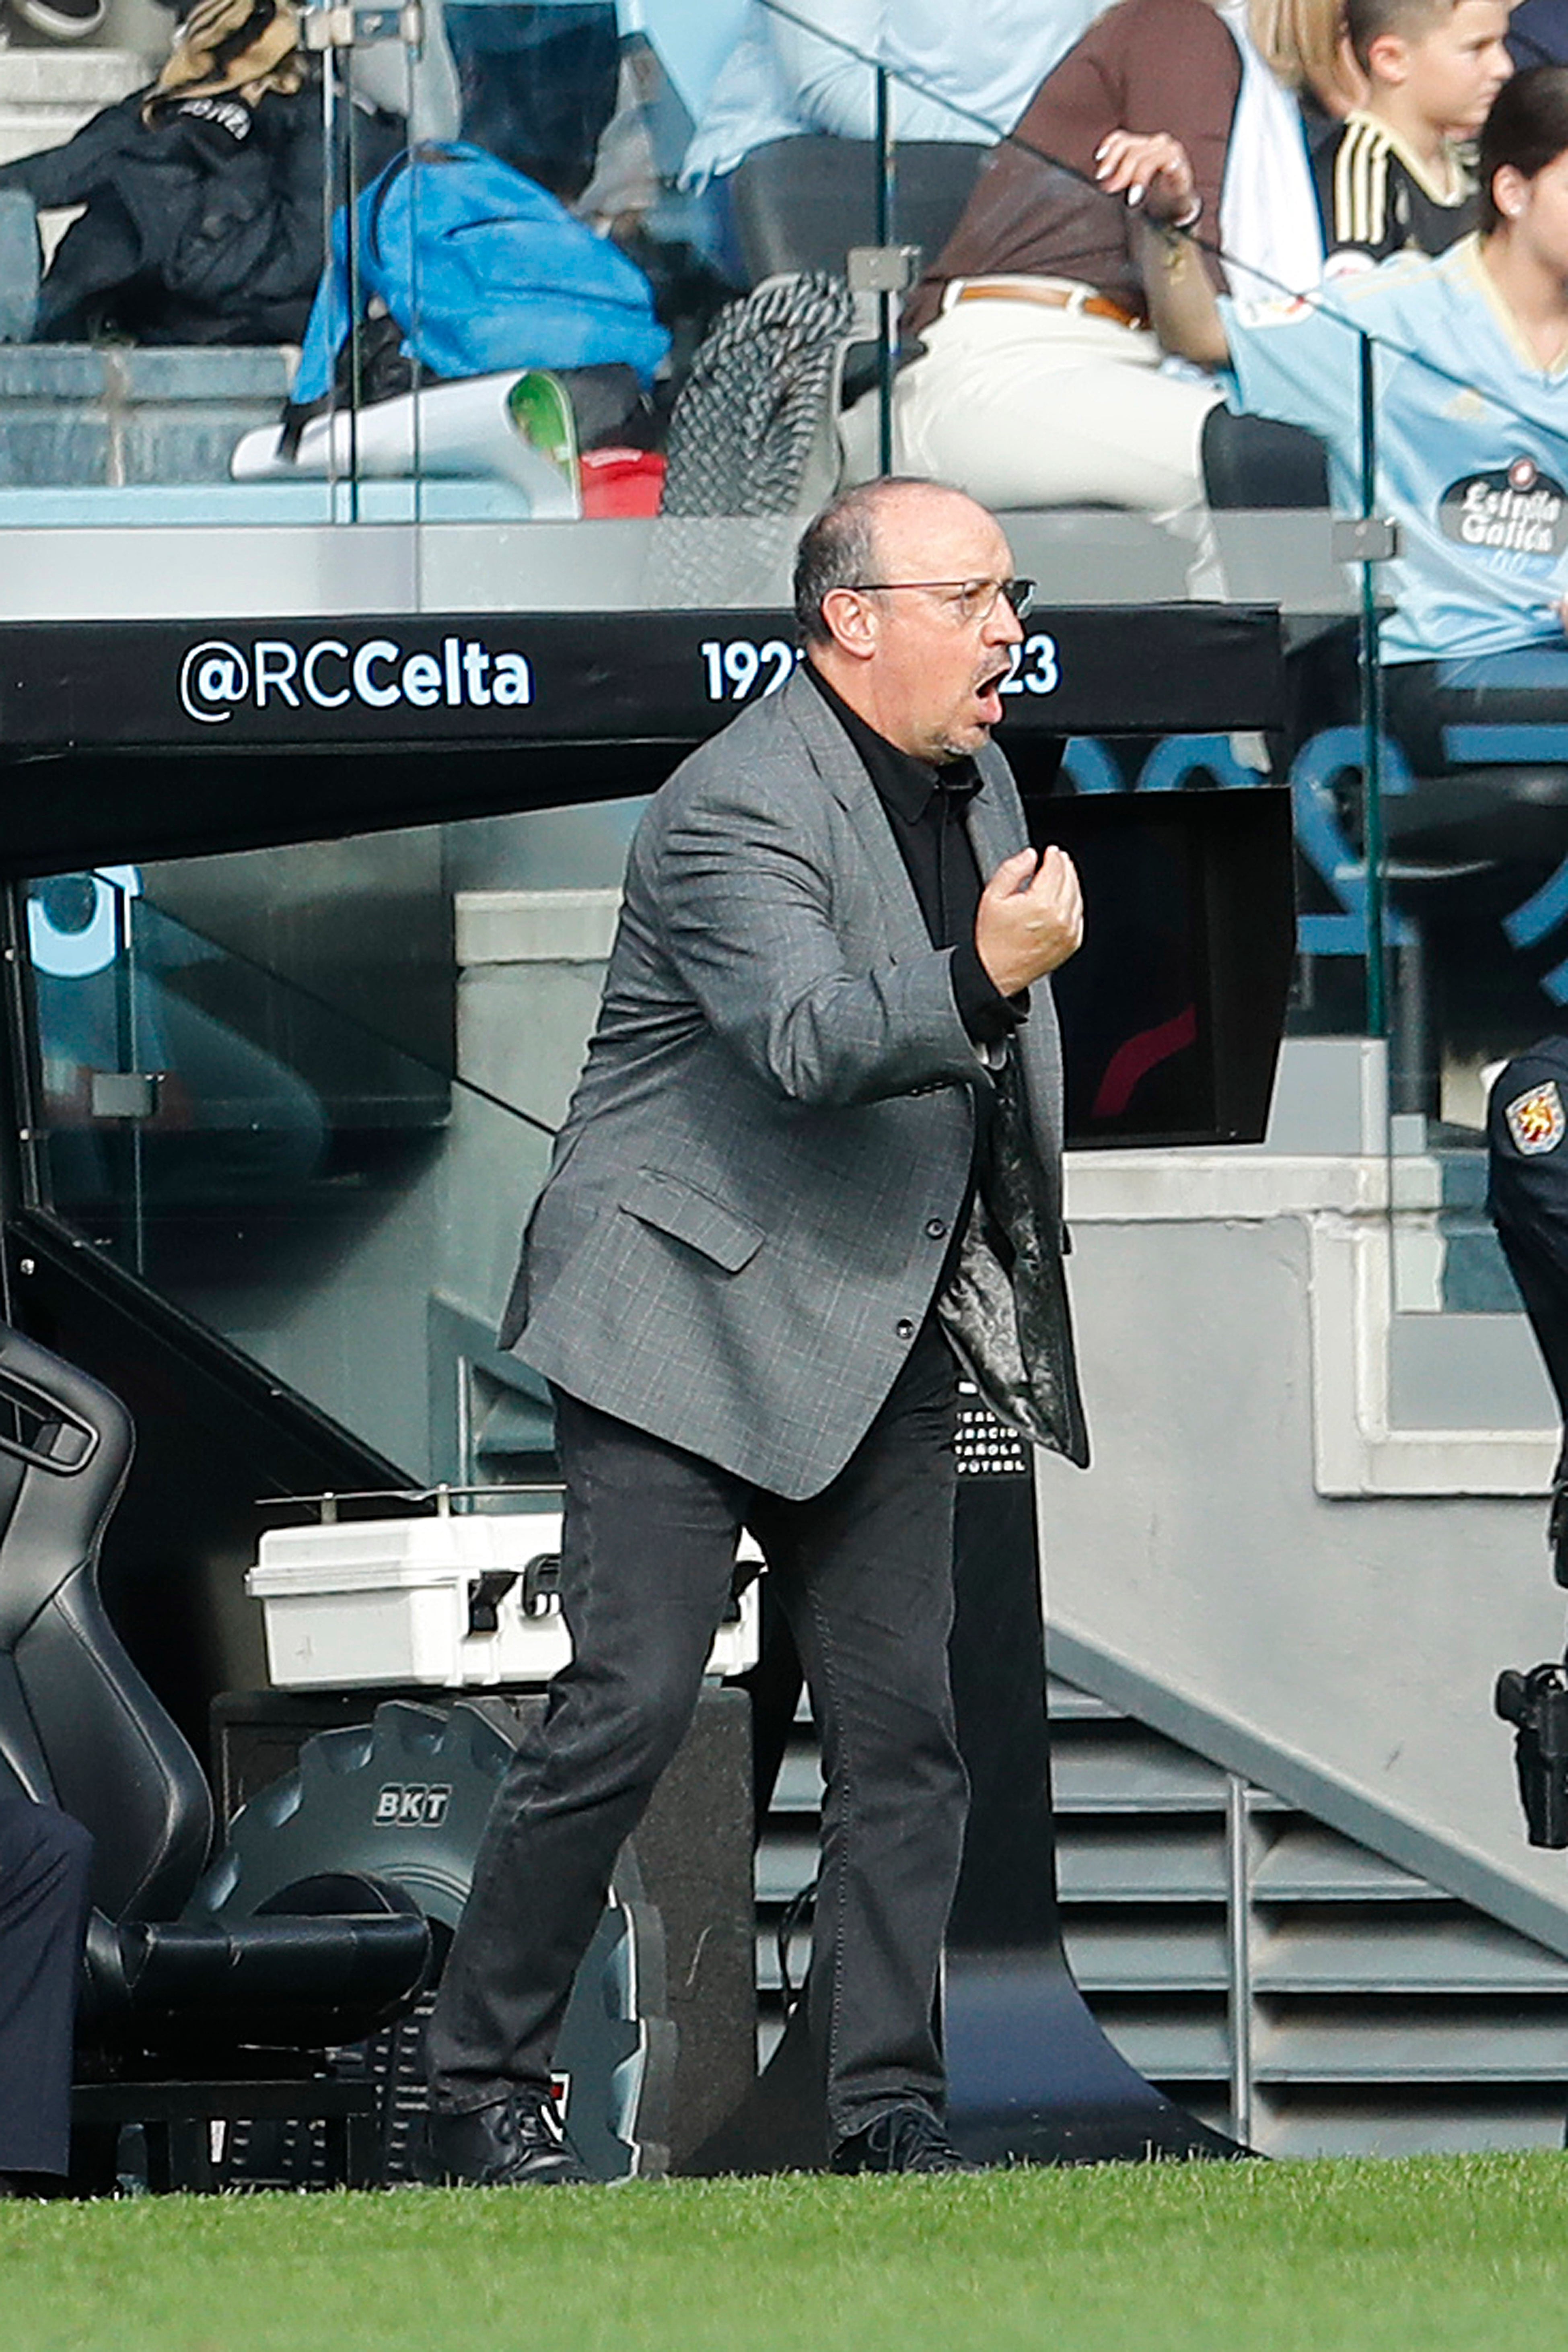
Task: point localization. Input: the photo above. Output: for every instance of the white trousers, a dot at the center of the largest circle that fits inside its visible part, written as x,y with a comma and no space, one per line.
1024,406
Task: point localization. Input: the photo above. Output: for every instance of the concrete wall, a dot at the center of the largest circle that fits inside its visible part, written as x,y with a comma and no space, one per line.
1263,1558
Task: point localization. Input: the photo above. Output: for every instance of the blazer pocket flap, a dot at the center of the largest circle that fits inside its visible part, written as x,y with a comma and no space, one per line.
703,1224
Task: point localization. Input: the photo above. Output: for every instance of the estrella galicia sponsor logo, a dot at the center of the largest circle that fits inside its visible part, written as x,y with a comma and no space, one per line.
411,1805
218,678
1517,511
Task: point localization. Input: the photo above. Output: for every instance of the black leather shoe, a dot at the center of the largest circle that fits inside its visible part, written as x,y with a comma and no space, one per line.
901,2140
514,2143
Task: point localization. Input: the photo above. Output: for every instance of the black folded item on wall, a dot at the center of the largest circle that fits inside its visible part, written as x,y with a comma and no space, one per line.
203,226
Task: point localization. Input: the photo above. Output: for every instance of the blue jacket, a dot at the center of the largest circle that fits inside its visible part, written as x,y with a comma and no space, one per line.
483,272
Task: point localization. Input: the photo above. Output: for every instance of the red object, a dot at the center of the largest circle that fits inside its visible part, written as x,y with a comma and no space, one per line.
1132,1061
619,482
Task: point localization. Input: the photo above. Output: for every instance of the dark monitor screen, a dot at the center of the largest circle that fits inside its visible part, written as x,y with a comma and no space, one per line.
1172,1008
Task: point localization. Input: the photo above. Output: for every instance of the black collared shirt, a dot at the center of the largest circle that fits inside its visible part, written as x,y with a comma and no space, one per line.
925,807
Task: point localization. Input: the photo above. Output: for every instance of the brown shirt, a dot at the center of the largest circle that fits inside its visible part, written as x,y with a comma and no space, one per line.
1147,65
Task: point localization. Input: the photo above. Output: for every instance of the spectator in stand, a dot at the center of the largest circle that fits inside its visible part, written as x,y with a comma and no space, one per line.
538,81
1307,49
1394,177
1039,383
964,76
1470,352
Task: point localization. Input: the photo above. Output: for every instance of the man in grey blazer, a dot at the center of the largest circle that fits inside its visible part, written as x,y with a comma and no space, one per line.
812,1166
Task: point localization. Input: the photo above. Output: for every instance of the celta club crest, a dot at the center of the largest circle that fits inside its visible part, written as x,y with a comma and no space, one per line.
1536,1120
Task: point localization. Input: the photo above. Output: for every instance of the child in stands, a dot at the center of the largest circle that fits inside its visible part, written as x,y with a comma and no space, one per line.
1394,177
1469,360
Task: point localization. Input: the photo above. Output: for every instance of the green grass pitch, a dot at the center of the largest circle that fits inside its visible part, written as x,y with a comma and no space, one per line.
1415,2256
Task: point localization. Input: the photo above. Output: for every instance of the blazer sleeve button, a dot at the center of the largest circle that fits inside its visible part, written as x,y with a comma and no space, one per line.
904,1328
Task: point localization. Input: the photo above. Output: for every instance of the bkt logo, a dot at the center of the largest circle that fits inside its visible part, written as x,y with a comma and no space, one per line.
411,1806
217,679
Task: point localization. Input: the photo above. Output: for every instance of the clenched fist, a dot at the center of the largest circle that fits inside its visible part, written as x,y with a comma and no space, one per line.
1030,919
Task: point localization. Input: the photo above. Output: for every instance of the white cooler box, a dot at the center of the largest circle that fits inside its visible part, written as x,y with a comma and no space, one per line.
443,1600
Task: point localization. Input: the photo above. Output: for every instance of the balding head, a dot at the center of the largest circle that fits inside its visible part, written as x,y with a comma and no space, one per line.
897,590
845,545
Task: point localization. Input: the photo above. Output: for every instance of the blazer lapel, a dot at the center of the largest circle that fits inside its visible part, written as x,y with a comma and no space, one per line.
843,771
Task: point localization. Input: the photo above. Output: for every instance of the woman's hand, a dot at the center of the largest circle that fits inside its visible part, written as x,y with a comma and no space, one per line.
1154,172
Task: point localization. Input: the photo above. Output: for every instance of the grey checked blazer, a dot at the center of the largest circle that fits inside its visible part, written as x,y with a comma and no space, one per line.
751,1199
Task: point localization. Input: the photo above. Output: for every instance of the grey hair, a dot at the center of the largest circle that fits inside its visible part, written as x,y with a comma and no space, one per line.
837,549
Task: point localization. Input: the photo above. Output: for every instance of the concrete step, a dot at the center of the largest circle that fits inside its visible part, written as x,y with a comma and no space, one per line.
19,266
45,95
94,415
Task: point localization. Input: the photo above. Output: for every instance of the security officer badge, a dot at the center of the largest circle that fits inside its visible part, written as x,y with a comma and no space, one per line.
1536,1120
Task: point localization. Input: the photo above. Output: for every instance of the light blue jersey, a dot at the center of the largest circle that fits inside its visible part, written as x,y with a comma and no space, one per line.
1472,444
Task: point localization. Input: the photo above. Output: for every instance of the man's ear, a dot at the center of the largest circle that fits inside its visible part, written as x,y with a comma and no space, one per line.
1388,58
852,620
1509,191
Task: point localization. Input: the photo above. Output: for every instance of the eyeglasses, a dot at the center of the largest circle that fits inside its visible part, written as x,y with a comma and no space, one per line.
969,600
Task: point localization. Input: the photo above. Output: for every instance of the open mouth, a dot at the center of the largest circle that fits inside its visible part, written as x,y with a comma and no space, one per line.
989,694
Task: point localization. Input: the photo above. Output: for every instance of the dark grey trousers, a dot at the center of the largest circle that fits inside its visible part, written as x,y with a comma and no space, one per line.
865,1572
44,1860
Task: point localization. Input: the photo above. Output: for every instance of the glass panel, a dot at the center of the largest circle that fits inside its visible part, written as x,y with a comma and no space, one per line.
312,1111
706,159
510,276
507,334
1476,801
160,219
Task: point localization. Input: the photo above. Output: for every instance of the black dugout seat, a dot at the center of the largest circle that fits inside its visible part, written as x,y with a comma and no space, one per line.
168,1987
801,204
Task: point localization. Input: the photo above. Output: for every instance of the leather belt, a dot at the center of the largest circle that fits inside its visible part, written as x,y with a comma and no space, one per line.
1047,298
